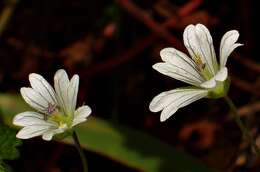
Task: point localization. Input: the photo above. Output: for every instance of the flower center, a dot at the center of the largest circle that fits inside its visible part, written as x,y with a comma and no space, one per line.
62,120
50,109
202,67
62,125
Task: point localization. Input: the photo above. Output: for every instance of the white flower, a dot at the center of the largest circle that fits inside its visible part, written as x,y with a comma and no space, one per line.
55,109
207,77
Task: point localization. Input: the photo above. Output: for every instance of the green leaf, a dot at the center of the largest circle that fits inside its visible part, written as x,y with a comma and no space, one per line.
4,167
123,144
10,105
8,143
135,148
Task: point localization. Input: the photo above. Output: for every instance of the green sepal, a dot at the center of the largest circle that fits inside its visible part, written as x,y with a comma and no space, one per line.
220,90
63,135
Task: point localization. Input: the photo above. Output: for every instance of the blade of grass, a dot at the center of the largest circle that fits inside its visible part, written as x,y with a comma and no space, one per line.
128,146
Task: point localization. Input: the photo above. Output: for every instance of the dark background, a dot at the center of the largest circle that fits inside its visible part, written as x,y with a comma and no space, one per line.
112,45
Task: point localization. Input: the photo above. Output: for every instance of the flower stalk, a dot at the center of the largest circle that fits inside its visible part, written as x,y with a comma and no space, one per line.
244,130
81,152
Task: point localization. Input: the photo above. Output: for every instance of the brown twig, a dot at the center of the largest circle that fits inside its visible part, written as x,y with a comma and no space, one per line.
245,86
6,14
182,12
249,109
140,45
123,58
247,62
142,16
189,7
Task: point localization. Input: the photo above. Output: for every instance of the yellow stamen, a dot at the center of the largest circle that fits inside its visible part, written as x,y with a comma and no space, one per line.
61,119
202,68
200,64
63,125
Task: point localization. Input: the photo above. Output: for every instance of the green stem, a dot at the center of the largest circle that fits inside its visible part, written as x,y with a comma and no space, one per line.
81,152
240,124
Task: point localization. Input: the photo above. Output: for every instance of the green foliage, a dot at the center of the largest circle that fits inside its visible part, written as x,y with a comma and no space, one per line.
8,143
8,140
4,167
134,148
11,105
128,146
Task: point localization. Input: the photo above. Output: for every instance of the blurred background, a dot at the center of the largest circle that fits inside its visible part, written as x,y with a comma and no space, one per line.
112,45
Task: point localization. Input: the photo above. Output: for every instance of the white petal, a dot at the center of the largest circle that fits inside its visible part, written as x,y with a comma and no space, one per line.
40,85
181,62
81,115
162,100
61,83
32,131
72,93
50,133
176,73
208,42
209,84
187,98
34,99
222,74
62,75
227,45
47,135
198,41
171,101
28,118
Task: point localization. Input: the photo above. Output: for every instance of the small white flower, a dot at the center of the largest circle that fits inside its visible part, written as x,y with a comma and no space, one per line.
55,109
207,77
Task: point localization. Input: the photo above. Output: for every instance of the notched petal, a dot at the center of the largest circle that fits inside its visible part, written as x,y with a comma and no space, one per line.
198,42
227,45
39,84
72,92
160,101
34,99
178,73
170,101
61,84
28,118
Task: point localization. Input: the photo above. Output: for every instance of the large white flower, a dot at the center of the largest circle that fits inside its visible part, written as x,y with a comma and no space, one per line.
55,109
207,77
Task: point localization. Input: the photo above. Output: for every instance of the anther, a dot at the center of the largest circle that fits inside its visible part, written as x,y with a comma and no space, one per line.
50,109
